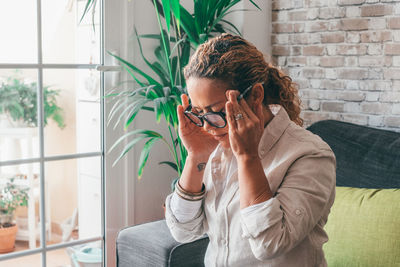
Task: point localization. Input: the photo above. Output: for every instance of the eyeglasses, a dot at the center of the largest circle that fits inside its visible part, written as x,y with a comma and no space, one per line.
215,119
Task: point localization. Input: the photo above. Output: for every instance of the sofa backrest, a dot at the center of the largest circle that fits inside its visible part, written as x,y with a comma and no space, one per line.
366,157
363,223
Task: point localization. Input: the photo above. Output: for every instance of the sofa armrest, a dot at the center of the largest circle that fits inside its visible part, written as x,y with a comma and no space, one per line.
151,244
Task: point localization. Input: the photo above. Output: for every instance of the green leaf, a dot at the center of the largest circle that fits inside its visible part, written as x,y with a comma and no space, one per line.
154,67
130,119
135,69
134,107
89,3
145,133
177,13
148,108
232,25
169,163
174,48
127,148
167,12
132,114
255,5
165,44
222,14
158,110
198,15
161,59
159,70
188,23
145,155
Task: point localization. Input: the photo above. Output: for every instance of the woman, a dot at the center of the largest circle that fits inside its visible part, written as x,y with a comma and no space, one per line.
256,182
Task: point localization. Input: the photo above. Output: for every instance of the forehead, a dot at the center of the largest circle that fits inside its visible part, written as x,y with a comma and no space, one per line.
204,92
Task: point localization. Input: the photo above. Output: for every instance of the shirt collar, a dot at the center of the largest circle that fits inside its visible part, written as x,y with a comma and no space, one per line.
274,130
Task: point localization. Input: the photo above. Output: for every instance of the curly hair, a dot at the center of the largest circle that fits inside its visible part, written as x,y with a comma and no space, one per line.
236,61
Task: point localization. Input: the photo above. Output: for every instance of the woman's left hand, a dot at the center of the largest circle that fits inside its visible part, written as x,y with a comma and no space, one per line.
245,130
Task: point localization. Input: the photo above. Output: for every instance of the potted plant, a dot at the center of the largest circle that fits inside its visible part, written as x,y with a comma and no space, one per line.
11,196
180,32
18,102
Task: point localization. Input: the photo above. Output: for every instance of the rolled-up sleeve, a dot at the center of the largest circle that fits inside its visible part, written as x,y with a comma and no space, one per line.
187,231
276,226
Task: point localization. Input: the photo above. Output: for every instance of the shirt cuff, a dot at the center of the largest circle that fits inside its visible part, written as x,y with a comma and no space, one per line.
257,218
248,211
184,210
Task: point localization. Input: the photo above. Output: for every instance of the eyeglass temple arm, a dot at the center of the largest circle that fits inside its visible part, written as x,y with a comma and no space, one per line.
245,92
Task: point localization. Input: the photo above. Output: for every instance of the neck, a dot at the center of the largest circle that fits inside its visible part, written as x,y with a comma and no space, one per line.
268,115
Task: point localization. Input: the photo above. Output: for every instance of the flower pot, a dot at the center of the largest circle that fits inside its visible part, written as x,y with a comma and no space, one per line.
7,238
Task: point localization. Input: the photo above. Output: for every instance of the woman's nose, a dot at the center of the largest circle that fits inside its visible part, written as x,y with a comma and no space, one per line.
206,126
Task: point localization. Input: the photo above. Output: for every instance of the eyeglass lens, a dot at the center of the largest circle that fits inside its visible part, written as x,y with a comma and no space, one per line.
214,119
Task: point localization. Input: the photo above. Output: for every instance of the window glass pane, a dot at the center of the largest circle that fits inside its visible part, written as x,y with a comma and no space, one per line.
19,206
74,185
89,255
65,38
18,24
31,260
77,112
18,114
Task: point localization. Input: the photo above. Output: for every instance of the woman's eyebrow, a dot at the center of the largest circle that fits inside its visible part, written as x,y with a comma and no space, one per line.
209,106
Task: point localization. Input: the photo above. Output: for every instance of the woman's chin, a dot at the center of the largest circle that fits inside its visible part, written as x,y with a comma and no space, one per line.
225,142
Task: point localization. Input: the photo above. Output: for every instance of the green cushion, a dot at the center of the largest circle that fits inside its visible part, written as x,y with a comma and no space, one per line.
364,228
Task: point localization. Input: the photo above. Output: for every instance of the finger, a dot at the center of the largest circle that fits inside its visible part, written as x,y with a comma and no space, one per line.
248,110
230,116
260,115
232,96
183,120
237,110
185,100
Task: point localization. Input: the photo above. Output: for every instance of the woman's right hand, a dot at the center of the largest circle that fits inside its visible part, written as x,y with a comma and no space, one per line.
197,141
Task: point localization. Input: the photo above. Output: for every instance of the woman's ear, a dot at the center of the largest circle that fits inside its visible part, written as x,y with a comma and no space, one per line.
257,94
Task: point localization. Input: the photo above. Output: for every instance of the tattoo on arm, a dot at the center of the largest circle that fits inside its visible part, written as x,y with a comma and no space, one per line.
201,166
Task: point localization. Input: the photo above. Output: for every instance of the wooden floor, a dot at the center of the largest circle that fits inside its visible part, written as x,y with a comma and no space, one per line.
54,258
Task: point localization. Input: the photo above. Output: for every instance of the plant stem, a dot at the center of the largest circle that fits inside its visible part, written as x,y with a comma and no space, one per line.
164,45
178,67
175,153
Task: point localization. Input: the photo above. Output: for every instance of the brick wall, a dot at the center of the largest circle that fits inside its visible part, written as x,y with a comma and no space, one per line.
345,57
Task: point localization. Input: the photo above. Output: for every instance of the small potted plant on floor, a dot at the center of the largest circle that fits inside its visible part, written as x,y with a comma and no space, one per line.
11,196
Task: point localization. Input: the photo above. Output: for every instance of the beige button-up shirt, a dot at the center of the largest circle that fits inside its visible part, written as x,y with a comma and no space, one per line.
287,230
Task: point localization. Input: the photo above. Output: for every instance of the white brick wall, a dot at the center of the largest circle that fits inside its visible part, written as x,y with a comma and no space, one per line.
344,56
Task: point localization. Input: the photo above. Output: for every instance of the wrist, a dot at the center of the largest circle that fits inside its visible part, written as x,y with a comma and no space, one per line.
247,158
197,158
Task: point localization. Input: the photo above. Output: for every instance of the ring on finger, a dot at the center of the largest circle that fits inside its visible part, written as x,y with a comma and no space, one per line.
238,116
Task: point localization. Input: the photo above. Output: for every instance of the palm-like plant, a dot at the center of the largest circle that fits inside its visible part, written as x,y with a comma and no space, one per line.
180,33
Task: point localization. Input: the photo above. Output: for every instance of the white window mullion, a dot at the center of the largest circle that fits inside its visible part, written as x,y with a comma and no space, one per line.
50,66
102,140
41,133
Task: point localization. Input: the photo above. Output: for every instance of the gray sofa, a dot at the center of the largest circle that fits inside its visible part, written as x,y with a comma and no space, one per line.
366,158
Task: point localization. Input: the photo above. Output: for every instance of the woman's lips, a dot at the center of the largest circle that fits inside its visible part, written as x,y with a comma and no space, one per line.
219,137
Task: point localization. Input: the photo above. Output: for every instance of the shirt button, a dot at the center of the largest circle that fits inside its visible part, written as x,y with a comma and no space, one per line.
298,212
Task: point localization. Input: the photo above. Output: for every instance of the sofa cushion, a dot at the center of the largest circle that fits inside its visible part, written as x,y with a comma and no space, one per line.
363,228
151,244
366,157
